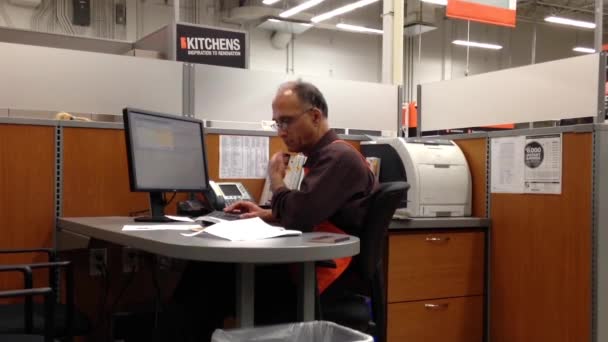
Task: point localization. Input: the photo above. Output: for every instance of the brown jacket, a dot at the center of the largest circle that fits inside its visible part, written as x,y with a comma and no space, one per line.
335,189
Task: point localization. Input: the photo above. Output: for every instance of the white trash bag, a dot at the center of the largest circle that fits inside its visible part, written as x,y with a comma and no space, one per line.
316,331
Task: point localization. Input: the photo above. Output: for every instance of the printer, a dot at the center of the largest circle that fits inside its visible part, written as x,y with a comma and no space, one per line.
437,171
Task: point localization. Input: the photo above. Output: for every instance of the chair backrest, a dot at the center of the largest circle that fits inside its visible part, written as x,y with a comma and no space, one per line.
373,237
373,234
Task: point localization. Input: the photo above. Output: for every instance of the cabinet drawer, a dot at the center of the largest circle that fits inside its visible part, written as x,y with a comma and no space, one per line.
442,320
435,265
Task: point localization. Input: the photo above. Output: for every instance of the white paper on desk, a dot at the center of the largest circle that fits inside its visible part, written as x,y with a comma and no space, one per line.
243,156
179,218
246,230
134,227
209,218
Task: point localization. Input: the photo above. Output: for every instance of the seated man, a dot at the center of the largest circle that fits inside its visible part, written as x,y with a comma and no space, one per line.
332,198
337,178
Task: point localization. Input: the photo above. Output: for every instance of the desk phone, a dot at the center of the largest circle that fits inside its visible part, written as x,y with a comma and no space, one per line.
227,193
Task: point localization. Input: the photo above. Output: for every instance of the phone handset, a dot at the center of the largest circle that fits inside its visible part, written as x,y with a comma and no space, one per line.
226,193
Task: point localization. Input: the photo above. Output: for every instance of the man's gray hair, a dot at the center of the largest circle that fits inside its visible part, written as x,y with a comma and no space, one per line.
308,93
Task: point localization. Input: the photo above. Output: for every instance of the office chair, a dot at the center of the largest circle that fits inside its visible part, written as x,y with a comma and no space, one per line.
67,321
367,270
27,334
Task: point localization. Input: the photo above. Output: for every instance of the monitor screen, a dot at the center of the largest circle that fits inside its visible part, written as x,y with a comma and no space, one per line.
165,152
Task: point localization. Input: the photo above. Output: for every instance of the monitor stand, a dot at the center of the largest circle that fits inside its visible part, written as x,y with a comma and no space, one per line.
157,209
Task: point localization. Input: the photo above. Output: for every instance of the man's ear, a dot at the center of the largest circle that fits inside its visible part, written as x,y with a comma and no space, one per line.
317,115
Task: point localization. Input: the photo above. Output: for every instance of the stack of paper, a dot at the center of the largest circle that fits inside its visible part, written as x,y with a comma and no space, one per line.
294,173
245,230
293,177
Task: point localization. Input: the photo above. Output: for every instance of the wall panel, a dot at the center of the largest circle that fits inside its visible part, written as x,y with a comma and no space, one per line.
541,256
86,82
27,162
475,151
566,88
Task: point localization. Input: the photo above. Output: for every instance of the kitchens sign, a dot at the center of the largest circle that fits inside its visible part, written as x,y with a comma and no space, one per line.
215,46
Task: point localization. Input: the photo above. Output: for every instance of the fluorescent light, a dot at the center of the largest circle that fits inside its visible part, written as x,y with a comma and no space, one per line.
479,45
583,49
342,10
355,28
436,2
571,22
273,20
270,2
301,7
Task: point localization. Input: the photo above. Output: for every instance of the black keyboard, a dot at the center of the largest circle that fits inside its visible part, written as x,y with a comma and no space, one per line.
153,219
223,215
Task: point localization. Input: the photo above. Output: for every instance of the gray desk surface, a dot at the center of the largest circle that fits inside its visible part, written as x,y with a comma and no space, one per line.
439,223
173,244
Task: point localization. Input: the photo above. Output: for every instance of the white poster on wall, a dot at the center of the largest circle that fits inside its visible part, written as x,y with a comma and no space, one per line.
507,174
243,156
543,164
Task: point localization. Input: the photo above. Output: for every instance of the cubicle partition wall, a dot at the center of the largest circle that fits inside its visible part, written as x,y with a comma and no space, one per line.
600,234
561,89
238,95
96,83
94,174
86,82
542,263
475,149
547,280
94,171
27,186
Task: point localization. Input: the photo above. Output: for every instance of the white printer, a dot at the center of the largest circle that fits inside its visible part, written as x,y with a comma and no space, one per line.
437,171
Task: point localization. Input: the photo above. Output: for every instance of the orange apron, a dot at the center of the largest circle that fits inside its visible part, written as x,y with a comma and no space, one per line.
325,275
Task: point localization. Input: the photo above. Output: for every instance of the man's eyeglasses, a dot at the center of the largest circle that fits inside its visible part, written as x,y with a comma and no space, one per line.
283,123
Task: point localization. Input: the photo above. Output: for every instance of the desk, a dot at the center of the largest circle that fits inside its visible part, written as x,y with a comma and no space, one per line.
438,223
245,254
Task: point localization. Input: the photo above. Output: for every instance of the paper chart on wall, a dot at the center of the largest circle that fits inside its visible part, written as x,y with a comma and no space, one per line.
243,156
507,174
543,164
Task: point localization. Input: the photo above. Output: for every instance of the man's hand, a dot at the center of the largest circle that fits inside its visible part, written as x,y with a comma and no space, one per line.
249,210
276,170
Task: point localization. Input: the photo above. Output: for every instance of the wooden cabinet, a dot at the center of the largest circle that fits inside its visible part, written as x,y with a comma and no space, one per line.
436,286
449,320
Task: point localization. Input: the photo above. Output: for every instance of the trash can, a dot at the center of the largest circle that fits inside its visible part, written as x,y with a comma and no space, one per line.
315,331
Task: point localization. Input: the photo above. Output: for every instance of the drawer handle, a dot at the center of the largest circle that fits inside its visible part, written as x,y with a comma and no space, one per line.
436,239
436,306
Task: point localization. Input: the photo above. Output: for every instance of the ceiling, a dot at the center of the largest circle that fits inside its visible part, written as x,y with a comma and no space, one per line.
527,10
538,9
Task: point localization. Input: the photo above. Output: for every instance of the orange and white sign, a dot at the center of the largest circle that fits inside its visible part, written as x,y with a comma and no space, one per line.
496,12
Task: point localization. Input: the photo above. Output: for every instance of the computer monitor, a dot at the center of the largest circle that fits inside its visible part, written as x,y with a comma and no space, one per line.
166,153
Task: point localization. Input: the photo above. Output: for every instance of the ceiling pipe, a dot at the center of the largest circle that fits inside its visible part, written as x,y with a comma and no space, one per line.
573,9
